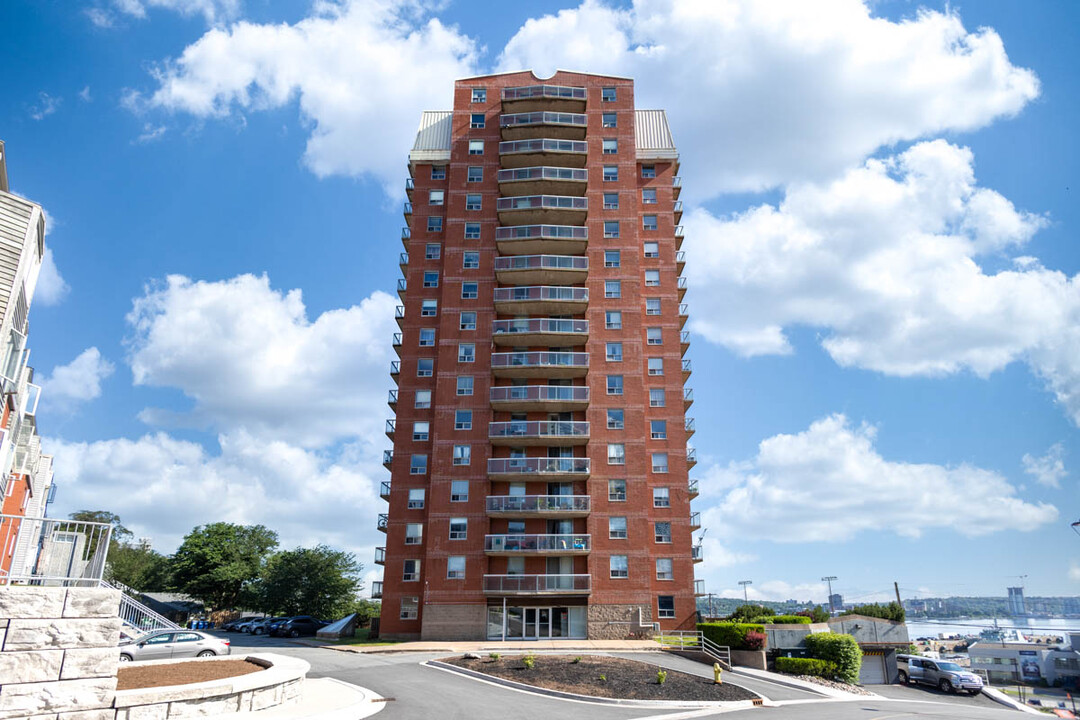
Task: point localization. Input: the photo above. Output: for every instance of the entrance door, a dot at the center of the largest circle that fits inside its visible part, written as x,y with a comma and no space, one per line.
537,623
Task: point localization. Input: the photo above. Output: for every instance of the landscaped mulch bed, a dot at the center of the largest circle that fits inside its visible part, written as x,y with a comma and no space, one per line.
626,679
132,677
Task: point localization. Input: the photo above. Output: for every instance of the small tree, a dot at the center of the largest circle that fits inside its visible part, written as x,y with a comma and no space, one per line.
317,581
840,649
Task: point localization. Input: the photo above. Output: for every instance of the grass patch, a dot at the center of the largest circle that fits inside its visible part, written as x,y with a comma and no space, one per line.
360,639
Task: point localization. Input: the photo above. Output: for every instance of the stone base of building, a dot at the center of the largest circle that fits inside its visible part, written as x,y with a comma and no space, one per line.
619,622
454,622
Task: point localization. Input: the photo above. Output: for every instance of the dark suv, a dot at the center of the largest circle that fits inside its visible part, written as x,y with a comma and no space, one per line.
297,626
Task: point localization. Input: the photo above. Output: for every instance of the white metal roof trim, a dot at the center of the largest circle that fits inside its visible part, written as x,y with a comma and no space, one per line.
651,130
434,131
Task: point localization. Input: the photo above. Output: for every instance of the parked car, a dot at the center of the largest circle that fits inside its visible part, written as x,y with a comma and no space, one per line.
945,676
245,627
165,644
299,625
272,627
262,626
234,625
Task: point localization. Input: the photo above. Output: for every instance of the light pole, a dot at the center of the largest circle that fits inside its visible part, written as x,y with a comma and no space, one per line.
745,595
829,579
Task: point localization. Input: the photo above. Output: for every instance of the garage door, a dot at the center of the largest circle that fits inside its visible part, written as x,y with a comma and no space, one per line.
873,670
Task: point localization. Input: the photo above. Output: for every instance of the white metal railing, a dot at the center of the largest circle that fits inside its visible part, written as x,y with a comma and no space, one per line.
538,466
538,429
540,359
542,262
527,293
540,393
135,615
511,147
538,503
536,584
47,551
537,543
543,172
540,325
543,91
554,232
542,117
542,202
694,640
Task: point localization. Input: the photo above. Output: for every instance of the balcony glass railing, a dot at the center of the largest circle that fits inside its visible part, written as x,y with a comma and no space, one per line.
540,393
688,394
542,118
676,181
408,208
541,292
376,589
540,359
684,309
384,489
543,91
511,147
688,424
409,183
396,341
543,173
538,429
402,284
537,543
554,232
691,456
692,487
399,311
395,367
403,258
697,553
387,457
391,397
699,587
542,202
680,256
537,503
390,427
679,231
540,325
678,206
687,366
382,522
538,466
695,519
536,584
541,262
684,337
380,555
682,283
406,233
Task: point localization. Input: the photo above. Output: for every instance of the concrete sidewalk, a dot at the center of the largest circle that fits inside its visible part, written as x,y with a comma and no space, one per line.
489,646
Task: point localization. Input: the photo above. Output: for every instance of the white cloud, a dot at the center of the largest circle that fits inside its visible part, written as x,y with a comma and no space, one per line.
777,591
1049,469
105,14
787,90
84,94
1074,571
99,17
150,133
46,105
77,382
829,484
51,287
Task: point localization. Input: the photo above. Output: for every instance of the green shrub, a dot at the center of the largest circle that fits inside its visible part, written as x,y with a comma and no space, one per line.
603,678
732,635
782,620
892,611
839,649
746,613
816,614
494,656
529,661
806,666
661,677
576,660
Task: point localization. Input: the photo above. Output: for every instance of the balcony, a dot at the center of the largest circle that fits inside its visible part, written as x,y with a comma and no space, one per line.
399,315
553,209
692,488
697,553
376,589
687,398
538,468
695,521
684,341
380,556
395,369
540,364
542,124
678,211
390,429
537,584
384,490
684,315
382,522
699,588
542,269
543,97
687,368
676,187
691,457
541,300
522,433
407,211
387,458
537,544
541,239
548,332
543,180
391,399
543,151
403,261
409,187
682,284
542,398
402,286
544,506
688,425
680,261
395,343
679,237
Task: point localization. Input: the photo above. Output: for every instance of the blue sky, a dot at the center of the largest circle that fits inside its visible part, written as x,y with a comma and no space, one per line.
881,258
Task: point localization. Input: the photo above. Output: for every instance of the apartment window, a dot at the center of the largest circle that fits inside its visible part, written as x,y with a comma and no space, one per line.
411,571
616,454
438,172
664,570
421,430
610,146
656,366
662,532
619,567
648,222
614,384
657,397
661,497
614,352
466,352
477,120
612,258
436,197
463,420
611,228
654,336
615,419
613,320
475,174
479,95
473,202
467,321
418,465
648,196
613,288
607,94
652,278
423,399
425,367
432,251
429,308
648,171
414,533
470,260
462,454
465,385
459,529
617,528
469,291
658,430
476,147
659,462
652,306
459,491
431,279
410,608
515,566
616,491
611,173
472,231
611,201
609,120
427,337
665,606
652,249
455,567
416,499
434,224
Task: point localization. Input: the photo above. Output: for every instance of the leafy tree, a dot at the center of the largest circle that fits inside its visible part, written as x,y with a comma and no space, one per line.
139,567
119,532
817,614
837,648
365,610
217,562
892,611
317,581
746,613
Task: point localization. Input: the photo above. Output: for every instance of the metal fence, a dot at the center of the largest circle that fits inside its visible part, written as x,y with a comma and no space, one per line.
48,551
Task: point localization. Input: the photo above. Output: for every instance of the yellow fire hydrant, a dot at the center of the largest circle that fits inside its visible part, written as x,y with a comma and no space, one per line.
716,671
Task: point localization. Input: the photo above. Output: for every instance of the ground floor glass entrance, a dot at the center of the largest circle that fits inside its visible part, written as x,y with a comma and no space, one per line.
535,623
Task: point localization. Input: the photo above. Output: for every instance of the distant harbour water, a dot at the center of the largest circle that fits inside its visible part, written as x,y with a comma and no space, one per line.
1028,626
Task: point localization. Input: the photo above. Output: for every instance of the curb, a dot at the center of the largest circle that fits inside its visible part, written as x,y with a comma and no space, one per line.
1003,699
825,692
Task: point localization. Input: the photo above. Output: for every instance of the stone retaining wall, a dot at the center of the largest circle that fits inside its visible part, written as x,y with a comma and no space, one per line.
618,622
58,654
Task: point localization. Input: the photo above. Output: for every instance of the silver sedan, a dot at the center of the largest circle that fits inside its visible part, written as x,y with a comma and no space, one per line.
165,644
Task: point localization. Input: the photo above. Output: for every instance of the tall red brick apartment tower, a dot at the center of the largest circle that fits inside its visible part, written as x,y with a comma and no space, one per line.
539,476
